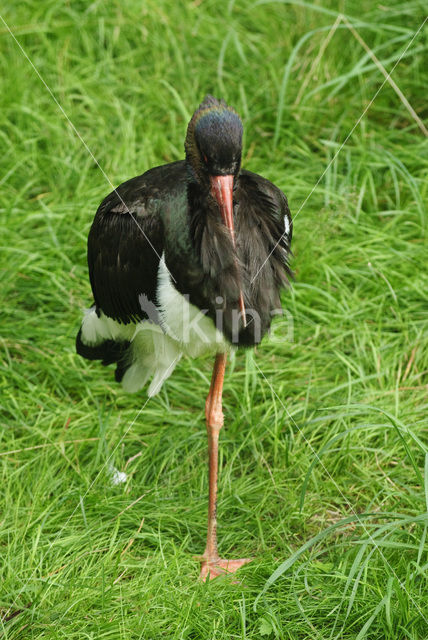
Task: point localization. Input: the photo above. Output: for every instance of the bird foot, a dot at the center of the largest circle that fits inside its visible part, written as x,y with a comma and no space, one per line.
211,569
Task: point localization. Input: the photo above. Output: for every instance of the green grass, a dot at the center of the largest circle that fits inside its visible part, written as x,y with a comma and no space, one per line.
324,474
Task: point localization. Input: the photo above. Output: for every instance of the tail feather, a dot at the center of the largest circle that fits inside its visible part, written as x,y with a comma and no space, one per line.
108,351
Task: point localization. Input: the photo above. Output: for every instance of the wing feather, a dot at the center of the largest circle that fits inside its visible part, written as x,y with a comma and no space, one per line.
124,248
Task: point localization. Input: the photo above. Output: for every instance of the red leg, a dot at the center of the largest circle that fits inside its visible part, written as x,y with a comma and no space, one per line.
212,565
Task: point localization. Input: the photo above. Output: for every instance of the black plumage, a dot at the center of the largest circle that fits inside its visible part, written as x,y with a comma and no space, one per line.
109,352
170,210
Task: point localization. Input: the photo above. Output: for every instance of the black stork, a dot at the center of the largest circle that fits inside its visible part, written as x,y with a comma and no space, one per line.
189,257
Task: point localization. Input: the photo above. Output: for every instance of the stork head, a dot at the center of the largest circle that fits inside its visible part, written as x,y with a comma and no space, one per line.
213,152
214,140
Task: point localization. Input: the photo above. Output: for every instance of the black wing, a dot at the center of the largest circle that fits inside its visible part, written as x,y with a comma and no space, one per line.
125,245
268,206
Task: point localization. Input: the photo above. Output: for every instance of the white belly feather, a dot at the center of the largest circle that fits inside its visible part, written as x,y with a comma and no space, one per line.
184,322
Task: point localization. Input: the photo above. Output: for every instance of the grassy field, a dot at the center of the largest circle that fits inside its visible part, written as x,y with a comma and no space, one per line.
324,474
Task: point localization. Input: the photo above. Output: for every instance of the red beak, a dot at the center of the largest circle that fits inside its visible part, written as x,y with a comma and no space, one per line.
222,192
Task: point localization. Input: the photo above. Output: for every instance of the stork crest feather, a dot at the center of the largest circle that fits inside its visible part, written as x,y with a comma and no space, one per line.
218,112
210,101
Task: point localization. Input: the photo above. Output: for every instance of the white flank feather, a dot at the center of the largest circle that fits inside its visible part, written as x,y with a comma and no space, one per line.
286,225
